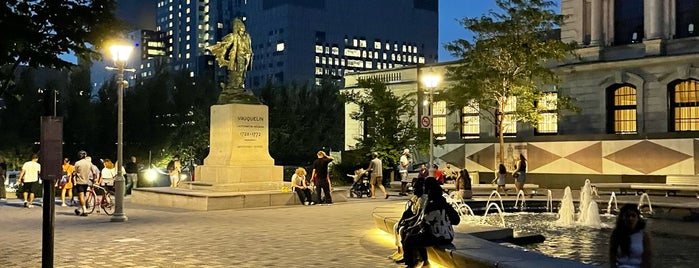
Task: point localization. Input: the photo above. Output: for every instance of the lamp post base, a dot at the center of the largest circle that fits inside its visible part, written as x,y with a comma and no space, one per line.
119,218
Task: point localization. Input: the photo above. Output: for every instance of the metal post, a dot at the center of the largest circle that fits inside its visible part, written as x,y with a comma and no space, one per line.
431,168
119,215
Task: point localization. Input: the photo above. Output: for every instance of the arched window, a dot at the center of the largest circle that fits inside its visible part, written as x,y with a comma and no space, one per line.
628,22
686,18
684,105
621,109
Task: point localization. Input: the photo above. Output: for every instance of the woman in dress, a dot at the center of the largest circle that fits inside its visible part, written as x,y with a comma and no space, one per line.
500,179
629,245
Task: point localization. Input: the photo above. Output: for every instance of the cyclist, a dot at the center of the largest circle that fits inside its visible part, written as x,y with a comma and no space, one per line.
84,171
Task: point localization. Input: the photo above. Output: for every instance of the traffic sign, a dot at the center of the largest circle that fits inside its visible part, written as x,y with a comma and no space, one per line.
425,121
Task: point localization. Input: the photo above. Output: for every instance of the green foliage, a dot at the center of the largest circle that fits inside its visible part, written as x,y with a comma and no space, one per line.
38,32
508,59
303,120
386,131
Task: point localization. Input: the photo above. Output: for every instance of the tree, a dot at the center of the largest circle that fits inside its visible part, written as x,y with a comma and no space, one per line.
508,62
38,32
383,114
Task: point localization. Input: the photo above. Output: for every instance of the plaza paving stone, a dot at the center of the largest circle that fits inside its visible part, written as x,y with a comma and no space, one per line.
342,235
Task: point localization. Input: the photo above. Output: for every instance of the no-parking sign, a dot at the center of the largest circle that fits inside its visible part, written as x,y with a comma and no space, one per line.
425,121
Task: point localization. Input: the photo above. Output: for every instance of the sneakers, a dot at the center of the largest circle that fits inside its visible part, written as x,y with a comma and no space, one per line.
307,203
77,212
313,203
25,204
30,206
64,205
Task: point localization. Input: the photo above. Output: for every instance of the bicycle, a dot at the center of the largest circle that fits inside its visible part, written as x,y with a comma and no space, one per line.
106,202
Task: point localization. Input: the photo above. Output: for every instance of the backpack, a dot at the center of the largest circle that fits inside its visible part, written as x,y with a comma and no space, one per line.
171,165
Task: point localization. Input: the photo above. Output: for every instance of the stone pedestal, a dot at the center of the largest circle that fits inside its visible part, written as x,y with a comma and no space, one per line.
654,47
239,157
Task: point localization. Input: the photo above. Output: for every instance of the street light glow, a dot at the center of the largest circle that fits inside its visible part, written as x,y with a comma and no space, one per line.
430,81
120,52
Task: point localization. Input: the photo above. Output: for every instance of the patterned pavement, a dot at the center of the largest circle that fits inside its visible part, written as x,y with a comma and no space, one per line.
342,235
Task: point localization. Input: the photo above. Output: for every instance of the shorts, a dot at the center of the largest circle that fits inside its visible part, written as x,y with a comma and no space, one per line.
31,187
376,180
404,176
81,188
522,177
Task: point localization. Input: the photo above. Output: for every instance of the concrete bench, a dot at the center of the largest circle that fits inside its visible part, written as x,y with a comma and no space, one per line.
669,189
490,187
622,187
682,180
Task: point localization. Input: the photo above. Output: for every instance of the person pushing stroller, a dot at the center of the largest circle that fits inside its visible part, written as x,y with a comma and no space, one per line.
360,186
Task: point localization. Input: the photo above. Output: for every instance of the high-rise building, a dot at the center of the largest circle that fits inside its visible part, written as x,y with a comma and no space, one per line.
191,25
307,40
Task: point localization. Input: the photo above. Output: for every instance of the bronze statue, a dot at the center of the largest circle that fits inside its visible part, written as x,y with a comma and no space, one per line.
235,52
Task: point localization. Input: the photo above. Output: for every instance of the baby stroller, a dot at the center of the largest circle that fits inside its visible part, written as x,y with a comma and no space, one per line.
361,185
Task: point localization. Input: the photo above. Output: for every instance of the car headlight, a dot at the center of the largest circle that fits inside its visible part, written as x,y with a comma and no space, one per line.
151,174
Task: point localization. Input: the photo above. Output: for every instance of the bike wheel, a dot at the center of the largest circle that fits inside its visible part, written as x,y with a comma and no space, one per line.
90,202
107,203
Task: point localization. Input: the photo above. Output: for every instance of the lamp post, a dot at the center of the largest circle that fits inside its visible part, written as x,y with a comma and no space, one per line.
120,53
430,81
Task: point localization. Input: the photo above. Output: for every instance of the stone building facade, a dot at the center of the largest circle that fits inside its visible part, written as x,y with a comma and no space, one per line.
636,83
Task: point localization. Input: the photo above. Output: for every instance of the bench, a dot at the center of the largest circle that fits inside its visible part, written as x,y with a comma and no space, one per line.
673,184
490,187
622,187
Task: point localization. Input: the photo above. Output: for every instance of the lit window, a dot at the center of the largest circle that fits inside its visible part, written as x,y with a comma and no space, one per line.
684,101
187,56
335,50
317,59
191,74
548,118
188,11
622,109
470,121
324,60
319,49
170,16
362,43
355,42
377,45
439,119
280,46
219,25
509,125
405,48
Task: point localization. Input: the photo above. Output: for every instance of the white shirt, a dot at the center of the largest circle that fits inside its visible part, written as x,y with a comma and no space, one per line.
404,162
31,171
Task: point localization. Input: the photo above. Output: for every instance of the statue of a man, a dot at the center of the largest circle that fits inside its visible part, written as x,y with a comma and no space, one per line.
234,52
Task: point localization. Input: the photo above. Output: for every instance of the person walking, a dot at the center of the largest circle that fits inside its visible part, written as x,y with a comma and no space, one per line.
3,172
520,173
376,169
29,178
131,168
629,245
84,172
174,167
67,187
403,165
321,178
500,179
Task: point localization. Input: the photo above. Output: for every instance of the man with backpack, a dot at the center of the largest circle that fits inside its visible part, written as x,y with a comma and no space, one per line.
173,169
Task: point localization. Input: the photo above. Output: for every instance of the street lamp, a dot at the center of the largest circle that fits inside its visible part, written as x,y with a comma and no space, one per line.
430,81
120,53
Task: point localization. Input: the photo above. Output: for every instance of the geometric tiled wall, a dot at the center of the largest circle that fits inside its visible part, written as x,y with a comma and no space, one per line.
622,157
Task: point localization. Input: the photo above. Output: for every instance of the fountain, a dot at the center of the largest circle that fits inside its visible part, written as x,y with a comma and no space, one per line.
459,205
585,199
566,214
495,192
609,205
521,193
640,203
549,202
502,217
592,218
